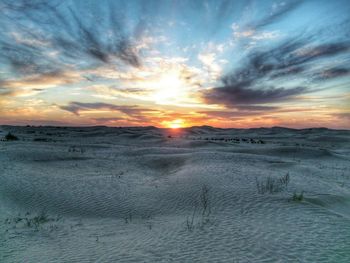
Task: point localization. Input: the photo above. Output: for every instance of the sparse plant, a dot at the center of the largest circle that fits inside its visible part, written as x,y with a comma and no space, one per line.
190,221
128,218
205,213
298,197
76,149
272,185
36,222
204,197
268,186
284,180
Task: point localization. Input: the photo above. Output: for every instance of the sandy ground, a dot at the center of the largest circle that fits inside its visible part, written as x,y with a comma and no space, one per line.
154,195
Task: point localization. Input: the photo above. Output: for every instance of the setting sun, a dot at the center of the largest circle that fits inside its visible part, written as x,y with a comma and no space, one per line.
175,124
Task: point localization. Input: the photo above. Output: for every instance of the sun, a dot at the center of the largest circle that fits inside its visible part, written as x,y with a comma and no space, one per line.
175,124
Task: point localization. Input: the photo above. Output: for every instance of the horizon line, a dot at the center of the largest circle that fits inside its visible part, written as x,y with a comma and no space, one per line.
168,128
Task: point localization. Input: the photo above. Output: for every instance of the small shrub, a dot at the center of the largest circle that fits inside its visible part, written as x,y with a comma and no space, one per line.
38,220
75,149
272,185
128,218
35,222
11,137
298,197
269,186
41,140
284,180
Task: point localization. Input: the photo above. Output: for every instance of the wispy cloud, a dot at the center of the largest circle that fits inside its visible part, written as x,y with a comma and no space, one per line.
78,107
278,12
251,83
43,27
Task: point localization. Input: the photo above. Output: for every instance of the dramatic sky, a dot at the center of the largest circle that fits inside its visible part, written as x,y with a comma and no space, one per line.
175,63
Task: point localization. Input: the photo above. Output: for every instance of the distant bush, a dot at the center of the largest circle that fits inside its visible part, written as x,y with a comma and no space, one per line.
43,140
35,222
75,149
298,197
272,185
11,137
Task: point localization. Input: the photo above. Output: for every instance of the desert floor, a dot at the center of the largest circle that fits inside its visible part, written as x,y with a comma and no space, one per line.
200,194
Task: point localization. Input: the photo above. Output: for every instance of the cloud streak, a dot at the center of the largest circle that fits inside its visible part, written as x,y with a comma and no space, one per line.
278,12
77,107
251,83
43,29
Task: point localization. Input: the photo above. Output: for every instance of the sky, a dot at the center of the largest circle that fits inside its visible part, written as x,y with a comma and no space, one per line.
175,63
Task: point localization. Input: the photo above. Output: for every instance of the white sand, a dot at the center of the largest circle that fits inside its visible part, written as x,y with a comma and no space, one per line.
126,194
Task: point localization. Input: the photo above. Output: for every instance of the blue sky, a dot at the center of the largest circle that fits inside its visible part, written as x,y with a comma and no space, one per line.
175,63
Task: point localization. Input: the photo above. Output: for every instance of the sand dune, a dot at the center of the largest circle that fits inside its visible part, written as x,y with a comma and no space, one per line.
136,195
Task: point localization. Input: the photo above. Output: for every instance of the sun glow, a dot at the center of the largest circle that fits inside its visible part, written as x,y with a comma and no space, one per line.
169,88
175,124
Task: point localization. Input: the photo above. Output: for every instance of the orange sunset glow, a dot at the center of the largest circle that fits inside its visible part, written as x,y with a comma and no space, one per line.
173,69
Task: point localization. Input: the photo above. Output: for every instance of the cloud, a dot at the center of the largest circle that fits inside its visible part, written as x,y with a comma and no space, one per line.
236,95
252,82
229,114
278,12
112,92
33,32
332,73
253,34
344,116
43,80
109,120
5,91
32,85
210,64
77,107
